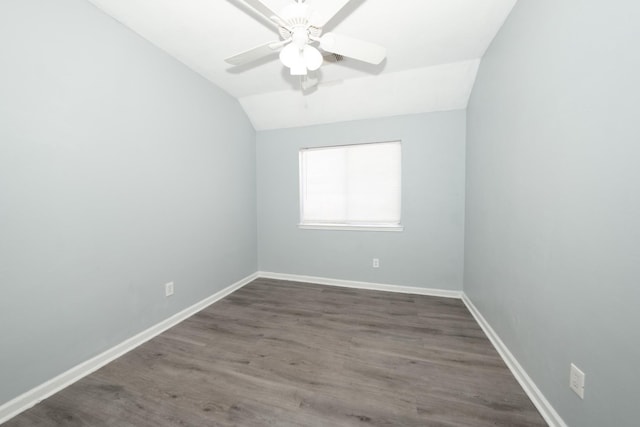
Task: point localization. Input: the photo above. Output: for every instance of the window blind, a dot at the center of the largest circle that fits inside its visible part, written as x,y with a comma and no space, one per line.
351,184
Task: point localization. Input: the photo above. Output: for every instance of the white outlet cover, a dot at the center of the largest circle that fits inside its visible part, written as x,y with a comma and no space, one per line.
576,380
376,263
168,289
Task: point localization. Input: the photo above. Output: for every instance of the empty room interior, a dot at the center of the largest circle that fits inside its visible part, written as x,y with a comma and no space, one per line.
319,213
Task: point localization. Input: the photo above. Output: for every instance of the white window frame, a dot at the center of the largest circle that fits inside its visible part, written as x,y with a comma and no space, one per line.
344,226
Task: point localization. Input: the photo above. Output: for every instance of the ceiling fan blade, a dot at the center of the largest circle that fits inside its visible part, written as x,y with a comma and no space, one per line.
353,48
265,11
327,10
254,53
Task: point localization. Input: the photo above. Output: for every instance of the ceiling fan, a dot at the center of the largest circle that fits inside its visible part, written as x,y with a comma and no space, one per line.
300,28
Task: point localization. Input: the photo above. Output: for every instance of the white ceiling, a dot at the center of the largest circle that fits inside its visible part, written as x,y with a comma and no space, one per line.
433,52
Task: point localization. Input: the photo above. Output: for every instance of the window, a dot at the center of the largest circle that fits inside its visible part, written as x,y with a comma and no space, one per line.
351,187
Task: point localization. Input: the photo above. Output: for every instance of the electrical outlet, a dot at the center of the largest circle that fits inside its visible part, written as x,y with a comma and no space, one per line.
376,263
168,289
576,380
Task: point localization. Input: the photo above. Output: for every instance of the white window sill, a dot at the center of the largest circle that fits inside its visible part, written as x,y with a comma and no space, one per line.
351,227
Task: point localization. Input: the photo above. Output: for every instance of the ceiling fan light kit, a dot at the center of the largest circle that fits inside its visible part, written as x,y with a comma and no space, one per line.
299,60
299,28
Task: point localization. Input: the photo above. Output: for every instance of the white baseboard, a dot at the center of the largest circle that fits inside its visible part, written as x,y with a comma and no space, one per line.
361,285
541,403
41,392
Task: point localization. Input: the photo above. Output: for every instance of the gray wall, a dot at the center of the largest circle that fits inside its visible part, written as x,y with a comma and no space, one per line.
120,170
553,200
428,253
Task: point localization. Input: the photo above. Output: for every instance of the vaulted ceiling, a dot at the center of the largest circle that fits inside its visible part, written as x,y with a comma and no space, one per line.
434,48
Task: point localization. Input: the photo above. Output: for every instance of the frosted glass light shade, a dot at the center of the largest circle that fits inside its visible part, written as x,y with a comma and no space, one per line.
300,61
290,55
312,57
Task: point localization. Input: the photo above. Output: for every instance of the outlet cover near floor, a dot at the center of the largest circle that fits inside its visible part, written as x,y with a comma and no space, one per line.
576,380
168,289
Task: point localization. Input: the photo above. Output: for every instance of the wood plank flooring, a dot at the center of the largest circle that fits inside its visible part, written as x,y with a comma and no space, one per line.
278,353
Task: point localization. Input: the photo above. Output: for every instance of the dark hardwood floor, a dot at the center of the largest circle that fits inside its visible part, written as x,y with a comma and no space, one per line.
278,353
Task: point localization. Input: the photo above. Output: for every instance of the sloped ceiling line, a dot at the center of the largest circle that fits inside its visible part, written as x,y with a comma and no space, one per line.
434,48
